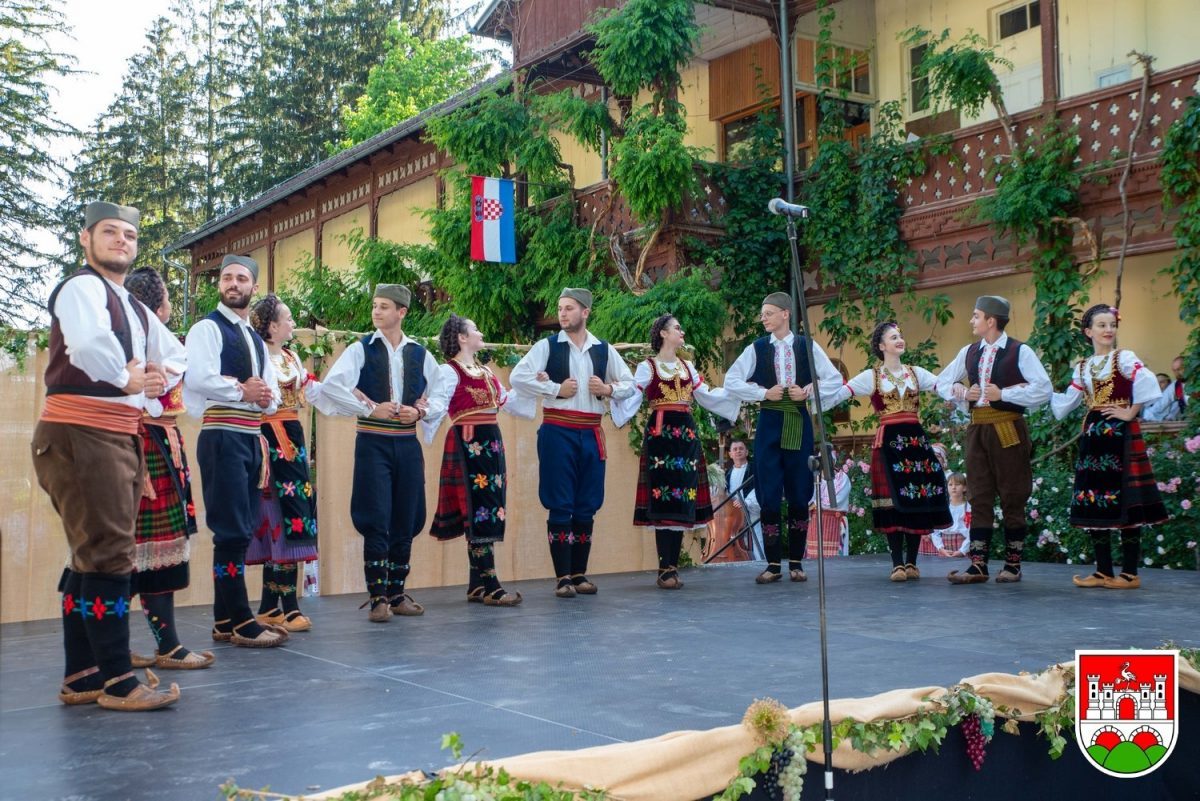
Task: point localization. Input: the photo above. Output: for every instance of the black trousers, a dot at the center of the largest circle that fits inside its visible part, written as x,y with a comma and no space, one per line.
387,502
230,469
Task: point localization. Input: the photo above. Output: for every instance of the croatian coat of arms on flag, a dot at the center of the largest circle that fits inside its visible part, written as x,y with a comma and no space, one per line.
1126,703
493,220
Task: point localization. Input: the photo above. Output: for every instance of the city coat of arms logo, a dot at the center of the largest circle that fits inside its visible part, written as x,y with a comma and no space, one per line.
1126,707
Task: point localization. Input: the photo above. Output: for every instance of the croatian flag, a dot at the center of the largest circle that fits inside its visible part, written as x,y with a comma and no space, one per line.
493,220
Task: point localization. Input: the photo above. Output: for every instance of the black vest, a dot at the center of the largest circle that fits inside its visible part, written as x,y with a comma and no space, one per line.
375,378
558,362
1006,370
764,362
235,354
64,378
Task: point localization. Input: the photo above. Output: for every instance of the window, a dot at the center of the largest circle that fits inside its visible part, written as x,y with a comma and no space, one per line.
918,84
857,116
1114,76
1019,19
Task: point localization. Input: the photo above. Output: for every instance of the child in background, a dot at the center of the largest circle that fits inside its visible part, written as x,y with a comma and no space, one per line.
953,541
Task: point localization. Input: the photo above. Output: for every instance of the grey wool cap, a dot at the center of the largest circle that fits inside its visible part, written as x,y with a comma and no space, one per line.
994,306
397,293
780,299
245,261
103,210
581,296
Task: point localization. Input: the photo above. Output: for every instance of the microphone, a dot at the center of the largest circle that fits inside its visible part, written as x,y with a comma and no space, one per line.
780,206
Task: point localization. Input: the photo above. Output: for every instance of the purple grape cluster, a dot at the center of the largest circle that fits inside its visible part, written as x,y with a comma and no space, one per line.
779,761
976,742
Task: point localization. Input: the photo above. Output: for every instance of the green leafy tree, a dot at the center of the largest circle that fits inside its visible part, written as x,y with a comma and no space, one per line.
1181,187
417,73
27,126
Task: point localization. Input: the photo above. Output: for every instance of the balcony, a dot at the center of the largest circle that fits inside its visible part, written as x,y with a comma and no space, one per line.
950,245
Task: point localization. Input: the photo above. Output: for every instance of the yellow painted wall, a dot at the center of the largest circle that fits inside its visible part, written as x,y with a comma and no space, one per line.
585,162
335,251
1096,35
291,252
1150,324
399,220
702,132
260,256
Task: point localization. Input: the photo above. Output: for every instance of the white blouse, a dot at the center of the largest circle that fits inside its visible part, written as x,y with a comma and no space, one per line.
1145,385
958,525
916,379
718,401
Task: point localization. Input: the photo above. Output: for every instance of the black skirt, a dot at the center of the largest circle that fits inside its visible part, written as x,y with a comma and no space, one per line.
1114,484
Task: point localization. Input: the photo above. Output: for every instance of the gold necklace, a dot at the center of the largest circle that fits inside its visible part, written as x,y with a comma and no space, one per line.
474,370
1096,369
899,380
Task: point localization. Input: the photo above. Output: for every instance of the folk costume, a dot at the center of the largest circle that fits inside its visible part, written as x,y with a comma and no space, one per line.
908,486
286,535
571,452
89,460
740,480
998,448
783,438
672,490
387,502
954,538
473,483
1114,484
224,351
166,522
833,529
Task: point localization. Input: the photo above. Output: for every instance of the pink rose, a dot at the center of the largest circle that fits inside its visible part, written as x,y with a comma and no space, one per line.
1033,513
1185,504
1192,444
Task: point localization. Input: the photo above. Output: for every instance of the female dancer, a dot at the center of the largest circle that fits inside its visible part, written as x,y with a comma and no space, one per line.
286,536
166,517
1114,486
672,492
473,487
908,487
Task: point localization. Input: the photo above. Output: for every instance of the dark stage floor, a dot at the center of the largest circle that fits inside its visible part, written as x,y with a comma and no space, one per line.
352,699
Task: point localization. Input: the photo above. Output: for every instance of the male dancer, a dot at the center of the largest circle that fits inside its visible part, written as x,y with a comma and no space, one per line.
387,380
573,372
108,353
1006,378
230,384
773,370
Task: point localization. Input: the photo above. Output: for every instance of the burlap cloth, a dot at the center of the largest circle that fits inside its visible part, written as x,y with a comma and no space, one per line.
696,764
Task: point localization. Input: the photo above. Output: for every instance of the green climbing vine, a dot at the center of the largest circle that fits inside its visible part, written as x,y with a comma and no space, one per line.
1181,188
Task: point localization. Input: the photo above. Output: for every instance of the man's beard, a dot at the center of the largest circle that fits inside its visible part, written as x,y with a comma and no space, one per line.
112,266
241,302
573,328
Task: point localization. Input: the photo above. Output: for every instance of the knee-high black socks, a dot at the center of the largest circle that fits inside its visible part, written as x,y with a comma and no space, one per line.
270,593
559,537
797,541
772,542
581,549
229,580
159,611
483,565
287,586
1102,545
1131,549
895,541
375,572
76,648
105,609
669,545
399,554
912,545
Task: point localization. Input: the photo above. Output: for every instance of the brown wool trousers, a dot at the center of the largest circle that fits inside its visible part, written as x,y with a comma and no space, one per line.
94,479
994,471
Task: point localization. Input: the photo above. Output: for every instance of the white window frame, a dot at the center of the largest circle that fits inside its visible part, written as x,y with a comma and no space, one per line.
912,113
1122,73
994,19
872,64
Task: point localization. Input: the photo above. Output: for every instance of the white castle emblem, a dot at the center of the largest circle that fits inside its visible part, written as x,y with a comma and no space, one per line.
1126,700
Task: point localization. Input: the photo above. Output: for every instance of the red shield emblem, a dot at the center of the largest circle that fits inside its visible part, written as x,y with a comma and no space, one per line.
1126,704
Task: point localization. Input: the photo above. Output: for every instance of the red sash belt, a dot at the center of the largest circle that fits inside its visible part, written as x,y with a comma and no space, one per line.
286,449
660,409
894,417
568,418
467,422
82,410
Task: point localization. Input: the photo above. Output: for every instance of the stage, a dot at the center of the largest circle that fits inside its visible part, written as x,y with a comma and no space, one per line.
352,699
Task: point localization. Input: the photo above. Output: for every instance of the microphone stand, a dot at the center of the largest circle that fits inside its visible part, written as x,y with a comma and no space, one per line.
821,464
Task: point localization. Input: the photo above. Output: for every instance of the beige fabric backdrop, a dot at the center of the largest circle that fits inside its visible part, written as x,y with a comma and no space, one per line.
34,549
